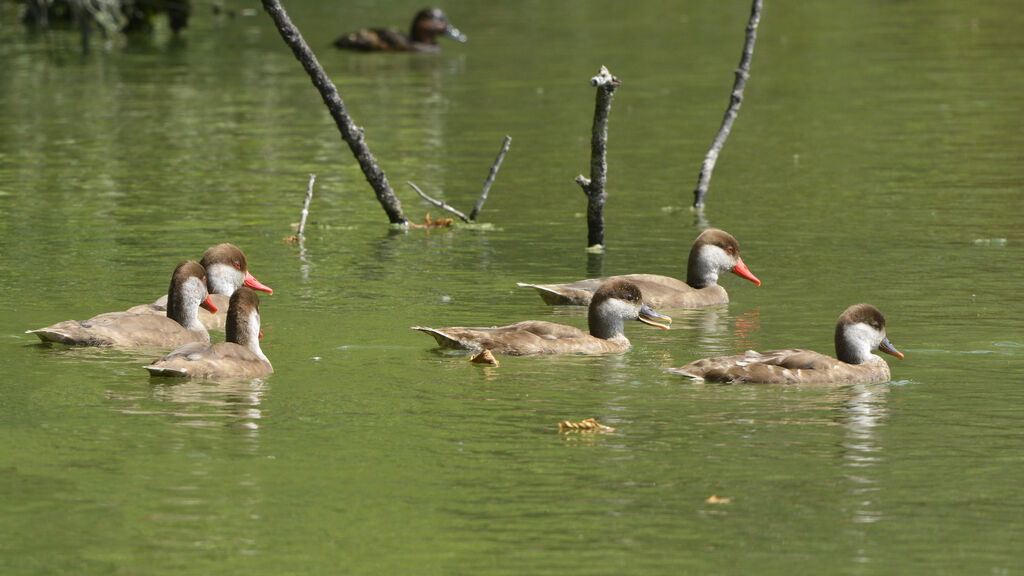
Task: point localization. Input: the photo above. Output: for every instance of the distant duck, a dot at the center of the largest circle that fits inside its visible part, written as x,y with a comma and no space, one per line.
428,24
613,304
239,357
226,271
859,331
713,252
187,292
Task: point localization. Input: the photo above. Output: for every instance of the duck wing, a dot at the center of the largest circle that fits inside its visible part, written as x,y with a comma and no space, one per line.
522,338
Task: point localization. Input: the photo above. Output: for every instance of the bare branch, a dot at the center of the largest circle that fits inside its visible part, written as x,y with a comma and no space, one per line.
350,133
305,207
438,203
593,187
490,178
736,99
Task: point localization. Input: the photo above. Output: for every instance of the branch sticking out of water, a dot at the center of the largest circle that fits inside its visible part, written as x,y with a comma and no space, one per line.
438,203
593,187
350,133
490,178
742,73
305,208
483,195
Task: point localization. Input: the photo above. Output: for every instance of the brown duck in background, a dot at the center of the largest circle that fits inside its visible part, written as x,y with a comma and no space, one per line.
713,252
239,357
613,303
428,24
226,271
860,329
187,292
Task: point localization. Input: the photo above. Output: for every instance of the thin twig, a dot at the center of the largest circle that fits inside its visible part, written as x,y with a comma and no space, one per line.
305,206
593,187
350,133
438,203
742,73
490,178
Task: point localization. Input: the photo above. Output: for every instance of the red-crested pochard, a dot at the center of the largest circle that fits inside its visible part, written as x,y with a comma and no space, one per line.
239,357
860,330
613,303
226,271
427,25
713,252
187,292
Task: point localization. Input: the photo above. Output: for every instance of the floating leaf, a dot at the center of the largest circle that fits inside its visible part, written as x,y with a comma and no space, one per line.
716,500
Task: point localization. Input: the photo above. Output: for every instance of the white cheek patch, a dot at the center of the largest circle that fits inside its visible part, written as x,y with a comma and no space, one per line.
222,279
863,339
711,260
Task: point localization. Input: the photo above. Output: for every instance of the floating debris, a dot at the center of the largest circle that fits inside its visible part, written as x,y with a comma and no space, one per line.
716,500
484,357
588,425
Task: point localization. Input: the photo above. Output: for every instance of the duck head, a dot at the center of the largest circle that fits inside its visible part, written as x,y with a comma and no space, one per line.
713,252
186,294
227,271
429,23
614,303
859,331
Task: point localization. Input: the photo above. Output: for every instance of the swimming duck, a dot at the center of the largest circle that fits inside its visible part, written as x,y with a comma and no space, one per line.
426,26
713,252
613,303
226,271
239,357
860,329
187,292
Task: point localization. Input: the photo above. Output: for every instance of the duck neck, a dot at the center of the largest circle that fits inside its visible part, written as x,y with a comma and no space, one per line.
604,324
244,330
854,343
703,267
183,303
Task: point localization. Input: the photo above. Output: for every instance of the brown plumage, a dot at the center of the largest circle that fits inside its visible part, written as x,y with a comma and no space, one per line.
239,357
713,252
186,293
860,329
427,25
612,304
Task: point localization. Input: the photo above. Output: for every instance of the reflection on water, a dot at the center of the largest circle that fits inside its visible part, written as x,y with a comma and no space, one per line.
198,403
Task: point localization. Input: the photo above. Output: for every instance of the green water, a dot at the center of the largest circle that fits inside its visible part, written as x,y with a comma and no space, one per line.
878,156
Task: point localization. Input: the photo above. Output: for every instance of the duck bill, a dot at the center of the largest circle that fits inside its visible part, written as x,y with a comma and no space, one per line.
652,318
453,33
208,304
888,348
255,284
740,269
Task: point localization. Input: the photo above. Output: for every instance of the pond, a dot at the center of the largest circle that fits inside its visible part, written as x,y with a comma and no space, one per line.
878,157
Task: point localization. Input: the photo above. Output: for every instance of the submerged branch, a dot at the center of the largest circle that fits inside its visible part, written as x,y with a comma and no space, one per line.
593,187
490,178
742,73
438,203
350,133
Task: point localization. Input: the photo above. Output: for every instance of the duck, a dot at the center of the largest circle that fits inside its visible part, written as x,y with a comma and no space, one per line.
186,293
613,304
226,271
427,25
239,356
713,252
859,331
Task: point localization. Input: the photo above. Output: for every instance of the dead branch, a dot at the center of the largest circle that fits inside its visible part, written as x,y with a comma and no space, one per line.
350,133
490,178
593,187
438,203
735,100
305,207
